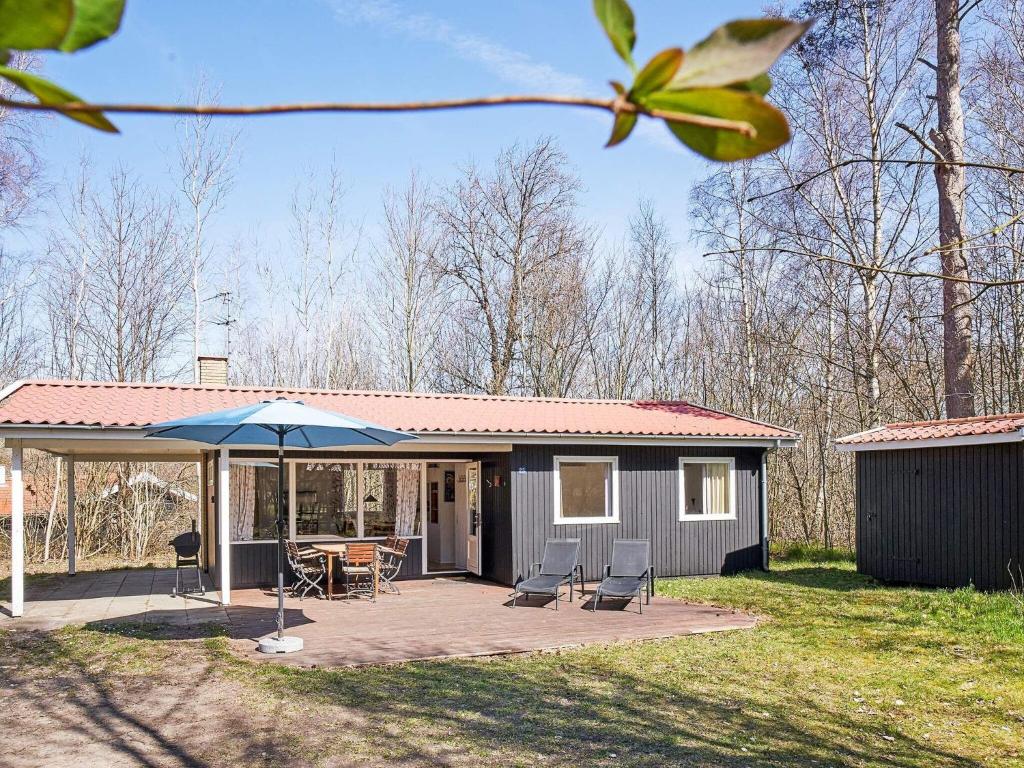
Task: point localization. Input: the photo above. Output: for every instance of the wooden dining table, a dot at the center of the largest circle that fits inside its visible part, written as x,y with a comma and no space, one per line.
332,551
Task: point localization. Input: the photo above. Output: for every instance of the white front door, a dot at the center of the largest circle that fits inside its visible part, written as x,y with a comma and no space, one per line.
473,510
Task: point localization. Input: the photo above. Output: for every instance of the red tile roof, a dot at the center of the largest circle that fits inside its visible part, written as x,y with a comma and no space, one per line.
998,424
75,403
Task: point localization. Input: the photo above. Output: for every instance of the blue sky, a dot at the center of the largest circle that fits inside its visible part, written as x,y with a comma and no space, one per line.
263,51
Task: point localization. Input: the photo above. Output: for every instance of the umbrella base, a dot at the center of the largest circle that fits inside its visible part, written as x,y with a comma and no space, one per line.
284,644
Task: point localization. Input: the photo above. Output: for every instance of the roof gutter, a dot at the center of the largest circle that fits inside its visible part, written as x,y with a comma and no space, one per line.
763,518
1015,436
621,439
763,507
102,432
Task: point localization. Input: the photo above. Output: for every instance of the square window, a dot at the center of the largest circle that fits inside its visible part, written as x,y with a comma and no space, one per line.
707,489
586,489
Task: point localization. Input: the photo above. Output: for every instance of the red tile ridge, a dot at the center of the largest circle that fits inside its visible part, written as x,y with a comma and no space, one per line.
358,392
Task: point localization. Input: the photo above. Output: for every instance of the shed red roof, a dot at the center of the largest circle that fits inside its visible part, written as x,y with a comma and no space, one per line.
76,403
998,424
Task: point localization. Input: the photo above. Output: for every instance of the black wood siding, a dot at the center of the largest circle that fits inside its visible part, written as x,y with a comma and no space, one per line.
496,517
941,516
649,509
254,564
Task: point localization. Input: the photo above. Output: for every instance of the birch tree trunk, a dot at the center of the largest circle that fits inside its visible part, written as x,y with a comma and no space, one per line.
52,514
958,352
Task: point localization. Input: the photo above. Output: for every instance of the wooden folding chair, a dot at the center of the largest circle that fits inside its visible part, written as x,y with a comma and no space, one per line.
359,565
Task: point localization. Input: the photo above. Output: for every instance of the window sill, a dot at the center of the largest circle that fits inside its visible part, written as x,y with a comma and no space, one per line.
705,518
588,521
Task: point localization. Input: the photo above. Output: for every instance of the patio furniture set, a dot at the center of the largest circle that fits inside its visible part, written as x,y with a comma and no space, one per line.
625,577
368,567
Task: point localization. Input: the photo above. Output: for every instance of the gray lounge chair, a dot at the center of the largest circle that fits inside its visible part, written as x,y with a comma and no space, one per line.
630,571
559,567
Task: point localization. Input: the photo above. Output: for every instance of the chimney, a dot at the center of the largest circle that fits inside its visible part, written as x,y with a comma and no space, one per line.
213,370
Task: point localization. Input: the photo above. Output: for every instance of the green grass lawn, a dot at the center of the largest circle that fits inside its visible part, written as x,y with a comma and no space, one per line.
842,671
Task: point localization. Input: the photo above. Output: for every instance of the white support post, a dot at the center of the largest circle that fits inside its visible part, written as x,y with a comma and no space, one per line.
360,492
69,462
292,508
17,531
223,524
424,552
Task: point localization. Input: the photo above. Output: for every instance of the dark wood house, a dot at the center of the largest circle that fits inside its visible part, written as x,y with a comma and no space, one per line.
485,483
941,502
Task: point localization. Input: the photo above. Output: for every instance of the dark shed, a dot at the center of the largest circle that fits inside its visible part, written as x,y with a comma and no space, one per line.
941,503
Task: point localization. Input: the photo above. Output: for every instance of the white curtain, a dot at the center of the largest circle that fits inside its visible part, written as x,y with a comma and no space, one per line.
406,507
242,500
716,488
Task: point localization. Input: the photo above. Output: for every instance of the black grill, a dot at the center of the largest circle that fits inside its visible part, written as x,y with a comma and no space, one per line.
186,555
186,545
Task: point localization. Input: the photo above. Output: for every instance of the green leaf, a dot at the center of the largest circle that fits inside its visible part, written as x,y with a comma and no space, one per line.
5,56
737,52
770,125
48,93
617,19
94,20
28,25
657,72
760,84
621,128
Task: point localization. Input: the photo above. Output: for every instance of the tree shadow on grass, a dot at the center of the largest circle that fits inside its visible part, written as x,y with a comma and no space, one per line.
570,713
602,707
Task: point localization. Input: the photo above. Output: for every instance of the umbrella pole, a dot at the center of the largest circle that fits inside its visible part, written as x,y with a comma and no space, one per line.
280,534
280,643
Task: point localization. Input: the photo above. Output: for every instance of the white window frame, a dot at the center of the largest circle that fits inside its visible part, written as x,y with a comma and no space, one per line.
731,462
611,504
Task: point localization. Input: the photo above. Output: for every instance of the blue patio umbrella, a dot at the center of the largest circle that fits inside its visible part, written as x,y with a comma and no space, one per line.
286,424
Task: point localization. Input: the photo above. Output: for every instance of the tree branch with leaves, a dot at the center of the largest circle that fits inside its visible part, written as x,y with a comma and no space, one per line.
711,97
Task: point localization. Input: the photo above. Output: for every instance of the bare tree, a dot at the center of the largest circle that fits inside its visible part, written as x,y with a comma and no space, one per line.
206,160
20,189
558,317
20,167
120,313
19,339
864,59
502,233
408,298
309,333
615,359
650,252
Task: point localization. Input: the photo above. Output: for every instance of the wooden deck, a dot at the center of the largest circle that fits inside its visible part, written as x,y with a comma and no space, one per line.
431,619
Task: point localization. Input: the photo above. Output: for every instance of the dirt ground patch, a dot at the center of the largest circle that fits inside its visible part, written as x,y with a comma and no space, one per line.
175,710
